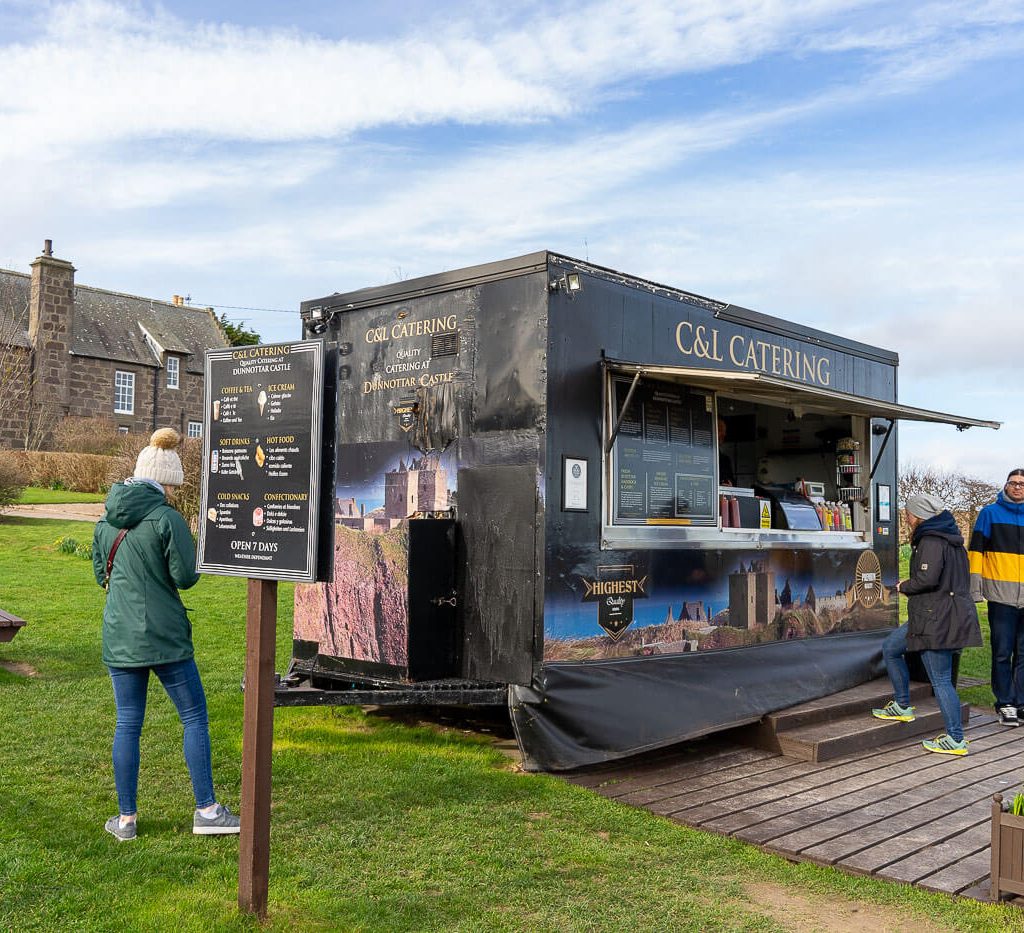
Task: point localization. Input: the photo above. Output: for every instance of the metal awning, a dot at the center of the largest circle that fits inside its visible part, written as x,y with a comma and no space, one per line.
774,391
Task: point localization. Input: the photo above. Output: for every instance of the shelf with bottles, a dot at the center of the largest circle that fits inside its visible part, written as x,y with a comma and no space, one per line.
834,516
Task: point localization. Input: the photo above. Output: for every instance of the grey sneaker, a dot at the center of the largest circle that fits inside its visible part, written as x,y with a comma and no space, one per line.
894,712
222,823
121,833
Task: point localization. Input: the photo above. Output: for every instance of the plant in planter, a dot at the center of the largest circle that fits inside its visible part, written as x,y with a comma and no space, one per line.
1007,846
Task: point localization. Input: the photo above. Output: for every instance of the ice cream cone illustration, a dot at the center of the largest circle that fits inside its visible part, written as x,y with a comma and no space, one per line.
261,457
261,400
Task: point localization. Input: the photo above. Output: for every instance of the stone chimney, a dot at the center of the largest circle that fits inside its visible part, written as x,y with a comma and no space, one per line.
50,318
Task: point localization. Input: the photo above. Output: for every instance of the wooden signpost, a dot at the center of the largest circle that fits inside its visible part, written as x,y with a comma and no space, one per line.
266,514
257,742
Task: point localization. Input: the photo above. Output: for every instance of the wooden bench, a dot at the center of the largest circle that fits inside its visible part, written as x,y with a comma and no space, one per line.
10,625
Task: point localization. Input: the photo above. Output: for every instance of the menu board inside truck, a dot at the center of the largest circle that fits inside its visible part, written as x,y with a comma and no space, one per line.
663,458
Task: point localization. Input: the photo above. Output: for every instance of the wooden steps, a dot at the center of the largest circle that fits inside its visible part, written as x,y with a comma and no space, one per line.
842,724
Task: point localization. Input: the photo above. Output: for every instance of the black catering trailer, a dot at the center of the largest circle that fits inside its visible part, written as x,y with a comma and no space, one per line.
634,514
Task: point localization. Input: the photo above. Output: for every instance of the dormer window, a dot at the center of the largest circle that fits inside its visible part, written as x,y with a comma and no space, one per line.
173,372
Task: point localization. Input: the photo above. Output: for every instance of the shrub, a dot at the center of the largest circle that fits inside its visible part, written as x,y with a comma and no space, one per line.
87,436
53,470
13,478
186,498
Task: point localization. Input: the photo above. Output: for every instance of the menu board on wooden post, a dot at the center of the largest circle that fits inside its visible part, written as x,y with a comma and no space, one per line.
663,460
263,440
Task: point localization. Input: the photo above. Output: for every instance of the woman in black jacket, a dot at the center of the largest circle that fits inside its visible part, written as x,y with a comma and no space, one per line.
941,619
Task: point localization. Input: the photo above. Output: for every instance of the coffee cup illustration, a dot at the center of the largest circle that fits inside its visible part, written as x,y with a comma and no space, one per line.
261,400
216,409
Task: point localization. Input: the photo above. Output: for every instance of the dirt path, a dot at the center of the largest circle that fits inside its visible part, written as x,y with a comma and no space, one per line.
802,913
67,511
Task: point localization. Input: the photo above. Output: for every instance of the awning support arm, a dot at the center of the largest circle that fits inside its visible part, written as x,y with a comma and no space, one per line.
622,414
881,450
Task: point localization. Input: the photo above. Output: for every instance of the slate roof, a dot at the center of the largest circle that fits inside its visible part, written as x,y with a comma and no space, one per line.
109,325
14,292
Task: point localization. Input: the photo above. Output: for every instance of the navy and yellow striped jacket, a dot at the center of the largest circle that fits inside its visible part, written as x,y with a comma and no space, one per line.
997,553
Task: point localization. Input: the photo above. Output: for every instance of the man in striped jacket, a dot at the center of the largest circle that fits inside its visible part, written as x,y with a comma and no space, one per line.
997,574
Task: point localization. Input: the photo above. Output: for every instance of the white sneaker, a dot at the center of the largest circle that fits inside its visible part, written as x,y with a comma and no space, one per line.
1008,716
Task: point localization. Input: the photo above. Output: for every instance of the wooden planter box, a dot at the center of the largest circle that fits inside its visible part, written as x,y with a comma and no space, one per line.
1007,851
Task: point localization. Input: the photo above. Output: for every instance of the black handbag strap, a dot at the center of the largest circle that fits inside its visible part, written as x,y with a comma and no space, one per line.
110,556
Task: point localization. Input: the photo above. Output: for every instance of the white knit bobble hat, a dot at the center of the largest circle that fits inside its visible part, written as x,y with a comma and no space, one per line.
160,461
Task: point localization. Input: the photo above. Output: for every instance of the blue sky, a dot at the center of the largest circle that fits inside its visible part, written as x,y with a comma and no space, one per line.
856,166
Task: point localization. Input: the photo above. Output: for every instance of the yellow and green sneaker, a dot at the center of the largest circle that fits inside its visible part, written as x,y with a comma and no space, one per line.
945,745
894,712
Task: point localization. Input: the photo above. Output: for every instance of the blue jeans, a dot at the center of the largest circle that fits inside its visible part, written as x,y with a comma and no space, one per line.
181,681
1006,624
938,665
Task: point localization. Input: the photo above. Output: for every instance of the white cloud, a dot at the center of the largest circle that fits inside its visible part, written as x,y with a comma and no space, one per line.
103,72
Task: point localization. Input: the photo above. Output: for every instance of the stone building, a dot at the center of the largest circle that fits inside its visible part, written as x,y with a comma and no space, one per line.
73,350
422,486
419,486
751,596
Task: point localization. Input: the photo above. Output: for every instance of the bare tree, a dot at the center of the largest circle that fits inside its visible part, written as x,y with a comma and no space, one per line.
964,495
27,420
15,362
974,495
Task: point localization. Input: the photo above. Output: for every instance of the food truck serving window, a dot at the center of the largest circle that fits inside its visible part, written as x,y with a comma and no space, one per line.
664,468
724,458
699,460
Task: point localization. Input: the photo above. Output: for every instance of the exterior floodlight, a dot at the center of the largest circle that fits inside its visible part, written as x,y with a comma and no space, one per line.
570,283
320,319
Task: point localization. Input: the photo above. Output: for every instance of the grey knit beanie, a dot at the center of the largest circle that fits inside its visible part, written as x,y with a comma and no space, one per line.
925,505
160,461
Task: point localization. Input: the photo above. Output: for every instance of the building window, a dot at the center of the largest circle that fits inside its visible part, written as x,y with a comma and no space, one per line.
122,429
195,429
173,366
124,393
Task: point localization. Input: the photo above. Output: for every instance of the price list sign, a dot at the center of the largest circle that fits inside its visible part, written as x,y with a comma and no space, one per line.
263,440
663,458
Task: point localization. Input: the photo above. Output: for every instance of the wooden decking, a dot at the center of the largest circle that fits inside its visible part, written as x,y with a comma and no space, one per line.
896,811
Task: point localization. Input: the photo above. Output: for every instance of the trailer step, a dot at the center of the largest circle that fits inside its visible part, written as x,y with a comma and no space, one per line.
859,731
841,723
298,691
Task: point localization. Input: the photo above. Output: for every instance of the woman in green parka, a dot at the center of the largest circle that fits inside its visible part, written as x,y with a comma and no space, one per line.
143,554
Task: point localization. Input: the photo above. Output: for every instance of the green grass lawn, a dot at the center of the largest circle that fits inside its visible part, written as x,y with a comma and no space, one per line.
39,495
376,825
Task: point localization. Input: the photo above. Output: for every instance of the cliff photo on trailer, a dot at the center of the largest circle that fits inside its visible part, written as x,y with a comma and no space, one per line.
363,613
